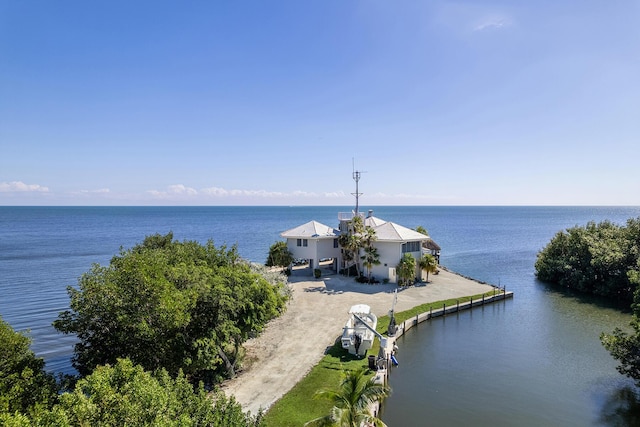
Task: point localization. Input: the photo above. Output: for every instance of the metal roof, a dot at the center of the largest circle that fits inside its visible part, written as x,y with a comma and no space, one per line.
390,231
311,229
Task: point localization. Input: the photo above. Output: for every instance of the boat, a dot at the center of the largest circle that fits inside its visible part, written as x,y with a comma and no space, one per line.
359,331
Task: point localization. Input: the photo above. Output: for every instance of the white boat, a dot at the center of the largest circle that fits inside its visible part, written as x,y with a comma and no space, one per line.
360,330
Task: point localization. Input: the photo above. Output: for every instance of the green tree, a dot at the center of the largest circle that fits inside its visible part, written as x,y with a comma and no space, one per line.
172,305
24,384
626,347
428,263
596,258
370,258
127,395
279,255
351,402
351,242
406,270
420,229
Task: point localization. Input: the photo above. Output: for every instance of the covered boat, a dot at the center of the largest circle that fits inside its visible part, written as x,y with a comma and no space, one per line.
360,330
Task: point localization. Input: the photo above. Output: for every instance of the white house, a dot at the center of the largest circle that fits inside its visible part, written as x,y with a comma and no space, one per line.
315,241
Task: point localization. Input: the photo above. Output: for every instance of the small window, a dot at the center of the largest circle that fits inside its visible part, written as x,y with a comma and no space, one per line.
299,242
304,242
335,243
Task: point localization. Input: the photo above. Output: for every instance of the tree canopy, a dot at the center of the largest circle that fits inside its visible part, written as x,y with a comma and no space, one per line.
171,305
600,259
279,255
126,395
23,381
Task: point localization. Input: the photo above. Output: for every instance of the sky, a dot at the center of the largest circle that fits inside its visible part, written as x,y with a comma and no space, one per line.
278,102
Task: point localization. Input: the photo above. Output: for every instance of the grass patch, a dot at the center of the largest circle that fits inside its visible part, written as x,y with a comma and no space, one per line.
298,406
383,322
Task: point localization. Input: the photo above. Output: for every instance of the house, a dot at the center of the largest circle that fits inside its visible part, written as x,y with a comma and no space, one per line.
314,242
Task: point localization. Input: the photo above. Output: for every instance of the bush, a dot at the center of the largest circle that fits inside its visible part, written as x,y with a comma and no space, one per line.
317,273
600,259
364,279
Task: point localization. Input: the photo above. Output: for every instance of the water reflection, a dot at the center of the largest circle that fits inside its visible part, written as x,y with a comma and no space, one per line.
538,359
621,408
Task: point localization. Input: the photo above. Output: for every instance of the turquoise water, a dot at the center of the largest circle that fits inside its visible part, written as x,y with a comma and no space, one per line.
533,360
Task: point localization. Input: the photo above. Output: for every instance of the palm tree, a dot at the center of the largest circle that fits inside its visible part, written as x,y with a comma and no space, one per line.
406,269
370,258
351,241
428,263
420,229
351,402
350,245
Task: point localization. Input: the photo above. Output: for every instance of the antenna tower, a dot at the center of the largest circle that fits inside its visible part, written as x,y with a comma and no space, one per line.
356,178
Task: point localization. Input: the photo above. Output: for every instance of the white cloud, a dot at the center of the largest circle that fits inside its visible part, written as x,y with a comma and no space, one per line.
334,195
173,191
181,189
462,18
98,191
21,187
217,195
215,191
181,192
492,22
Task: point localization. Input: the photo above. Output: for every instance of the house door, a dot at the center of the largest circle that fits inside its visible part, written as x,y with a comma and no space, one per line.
392,275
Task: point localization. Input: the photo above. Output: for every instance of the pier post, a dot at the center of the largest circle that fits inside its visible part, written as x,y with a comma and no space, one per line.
457,305
482,299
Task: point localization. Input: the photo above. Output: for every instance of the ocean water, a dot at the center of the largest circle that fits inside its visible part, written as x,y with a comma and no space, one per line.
539,354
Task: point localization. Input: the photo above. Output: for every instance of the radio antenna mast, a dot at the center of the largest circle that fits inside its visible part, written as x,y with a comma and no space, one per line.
356,178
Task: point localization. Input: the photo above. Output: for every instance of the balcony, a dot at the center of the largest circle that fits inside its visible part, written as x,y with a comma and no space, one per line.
348,216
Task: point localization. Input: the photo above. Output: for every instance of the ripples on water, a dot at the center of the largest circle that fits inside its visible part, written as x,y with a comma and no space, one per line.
535,360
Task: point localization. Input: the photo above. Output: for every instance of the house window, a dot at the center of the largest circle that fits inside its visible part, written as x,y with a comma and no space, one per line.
302,242
411,247
335,243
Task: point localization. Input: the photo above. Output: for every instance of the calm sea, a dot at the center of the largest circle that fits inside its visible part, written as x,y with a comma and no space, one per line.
534,360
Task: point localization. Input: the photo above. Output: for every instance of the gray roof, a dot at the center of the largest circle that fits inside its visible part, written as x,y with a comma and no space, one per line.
311,229
373,221
392,232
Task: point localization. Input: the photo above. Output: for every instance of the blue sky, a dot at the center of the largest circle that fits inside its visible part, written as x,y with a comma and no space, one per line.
270,103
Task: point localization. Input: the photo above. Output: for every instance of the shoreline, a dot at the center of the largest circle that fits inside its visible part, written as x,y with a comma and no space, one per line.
293,343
